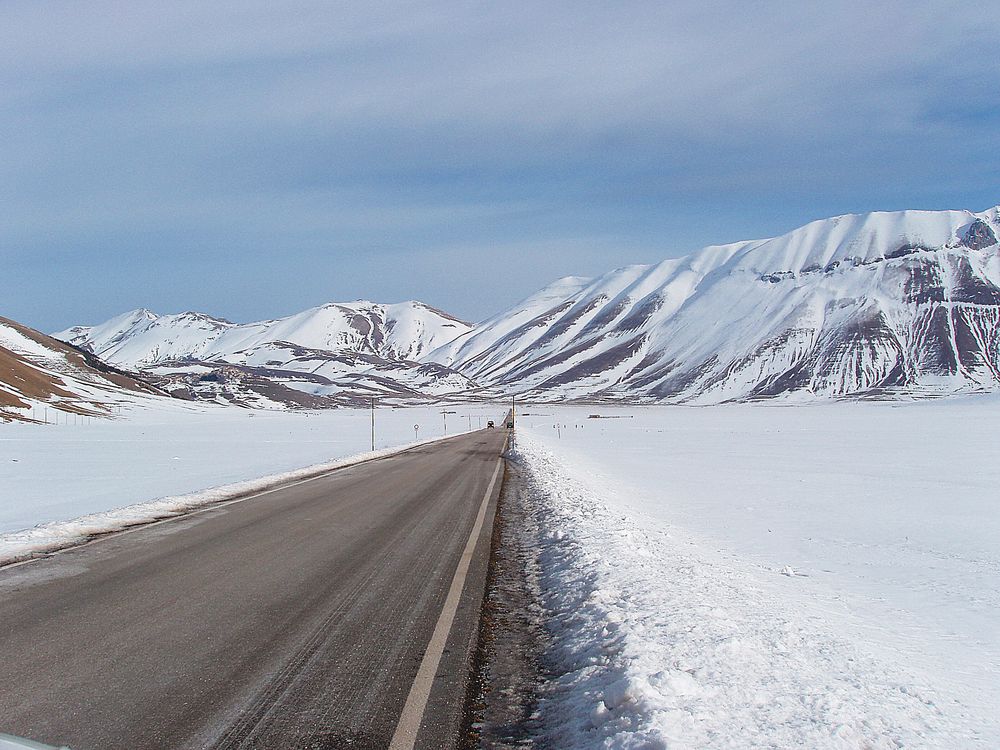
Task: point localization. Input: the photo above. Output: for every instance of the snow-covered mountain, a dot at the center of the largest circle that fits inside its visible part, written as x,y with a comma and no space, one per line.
848,306
403,332
336,354
41,377
855,305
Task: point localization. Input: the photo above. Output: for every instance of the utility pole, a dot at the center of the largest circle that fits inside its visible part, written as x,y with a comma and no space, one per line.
445,415
373,425
512,411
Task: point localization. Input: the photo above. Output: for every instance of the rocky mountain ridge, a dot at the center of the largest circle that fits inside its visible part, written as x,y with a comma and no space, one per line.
866,305
339,354
42,379
857,305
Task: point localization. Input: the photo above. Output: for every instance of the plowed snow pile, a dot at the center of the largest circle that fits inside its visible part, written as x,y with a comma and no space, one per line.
59,483
822,577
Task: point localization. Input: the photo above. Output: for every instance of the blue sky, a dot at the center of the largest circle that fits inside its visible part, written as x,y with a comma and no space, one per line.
251,159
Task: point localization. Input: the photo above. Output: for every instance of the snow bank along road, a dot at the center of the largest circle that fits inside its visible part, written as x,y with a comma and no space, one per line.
296,618
822,577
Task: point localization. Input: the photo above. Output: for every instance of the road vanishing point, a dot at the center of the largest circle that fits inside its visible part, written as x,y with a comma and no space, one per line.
336,612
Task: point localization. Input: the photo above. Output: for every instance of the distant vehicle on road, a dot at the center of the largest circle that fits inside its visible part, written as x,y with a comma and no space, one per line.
490,425
510,425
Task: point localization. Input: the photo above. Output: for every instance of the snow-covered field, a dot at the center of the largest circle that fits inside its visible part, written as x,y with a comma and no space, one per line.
822,576
51,475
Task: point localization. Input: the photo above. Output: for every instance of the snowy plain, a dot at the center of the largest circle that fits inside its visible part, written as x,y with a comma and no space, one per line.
59,482
823,576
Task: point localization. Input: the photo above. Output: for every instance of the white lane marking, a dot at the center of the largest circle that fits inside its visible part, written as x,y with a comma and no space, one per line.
405,736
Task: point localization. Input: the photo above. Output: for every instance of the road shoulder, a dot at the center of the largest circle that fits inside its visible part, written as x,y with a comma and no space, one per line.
504,692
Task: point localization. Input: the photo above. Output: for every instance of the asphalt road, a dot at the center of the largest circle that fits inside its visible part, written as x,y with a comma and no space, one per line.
295,619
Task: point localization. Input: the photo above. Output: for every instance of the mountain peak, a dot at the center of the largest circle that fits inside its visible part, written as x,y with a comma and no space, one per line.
398,331
858,303
854,304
